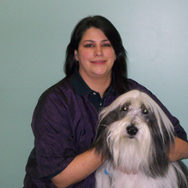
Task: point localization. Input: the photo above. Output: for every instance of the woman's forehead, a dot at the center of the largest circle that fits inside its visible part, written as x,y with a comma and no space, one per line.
94,34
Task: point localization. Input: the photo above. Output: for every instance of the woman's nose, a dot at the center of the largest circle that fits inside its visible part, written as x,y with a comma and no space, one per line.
98,51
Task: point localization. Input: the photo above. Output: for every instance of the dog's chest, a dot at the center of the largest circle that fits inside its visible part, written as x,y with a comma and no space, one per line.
120,180
117,179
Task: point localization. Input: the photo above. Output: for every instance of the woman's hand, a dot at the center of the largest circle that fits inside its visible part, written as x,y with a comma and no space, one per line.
179,150
81,167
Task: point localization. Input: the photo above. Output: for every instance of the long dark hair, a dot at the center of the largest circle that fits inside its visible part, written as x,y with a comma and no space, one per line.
119,69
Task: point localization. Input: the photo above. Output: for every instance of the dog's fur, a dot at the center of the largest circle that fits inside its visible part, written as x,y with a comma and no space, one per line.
135,136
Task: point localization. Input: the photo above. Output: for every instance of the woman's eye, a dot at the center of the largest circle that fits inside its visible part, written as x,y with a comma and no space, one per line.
106,45
88,45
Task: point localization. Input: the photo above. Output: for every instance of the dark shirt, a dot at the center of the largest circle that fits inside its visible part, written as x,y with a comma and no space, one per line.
64,124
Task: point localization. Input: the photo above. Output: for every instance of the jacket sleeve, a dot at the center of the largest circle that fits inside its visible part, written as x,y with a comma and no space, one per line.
54,142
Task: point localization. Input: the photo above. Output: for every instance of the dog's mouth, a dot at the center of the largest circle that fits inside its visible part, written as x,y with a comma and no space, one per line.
131,137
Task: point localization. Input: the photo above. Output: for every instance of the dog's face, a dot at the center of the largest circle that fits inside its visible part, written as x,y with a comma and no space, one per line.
133,127
129,118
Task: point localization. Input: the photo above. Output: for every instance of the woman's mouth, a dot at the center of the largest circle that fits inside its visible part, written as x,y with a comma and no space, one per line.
98,61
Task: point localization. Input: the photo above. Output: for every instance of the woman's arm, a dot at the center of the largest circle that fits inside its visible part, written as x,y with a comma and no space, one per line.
179,150
81,166
87,162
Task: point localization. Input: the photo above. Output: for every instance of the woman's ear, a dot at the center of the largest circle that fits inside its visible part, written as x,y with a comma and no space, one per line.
76,55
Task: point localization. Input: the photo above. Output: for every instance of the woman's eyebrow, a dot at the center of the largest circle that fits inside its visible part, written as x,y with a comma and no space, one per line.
93,41
88,40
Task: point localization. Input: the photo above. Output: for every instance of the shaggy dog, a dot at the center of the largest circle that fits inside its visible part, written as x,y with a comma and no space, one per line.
135,136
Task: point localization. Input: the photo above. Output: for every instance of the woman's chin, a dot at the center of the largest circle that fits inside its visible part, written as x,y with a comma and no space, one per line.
101,74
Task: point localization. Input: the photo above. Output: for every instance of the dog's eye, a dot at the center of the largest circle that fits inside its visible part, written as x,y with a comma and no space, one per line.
145,111
124,108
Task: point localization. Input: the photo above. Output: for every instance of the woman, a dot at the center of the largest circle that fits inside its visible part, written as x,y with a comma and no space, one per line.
65,118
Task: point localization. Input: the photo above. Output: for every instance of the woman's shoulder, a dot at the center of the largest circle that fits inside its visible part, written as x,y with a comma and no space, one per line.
132,84
59,92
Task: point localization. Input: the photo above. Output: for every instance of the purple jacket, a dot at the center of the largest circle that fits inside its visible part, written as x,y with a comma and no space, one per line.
64,124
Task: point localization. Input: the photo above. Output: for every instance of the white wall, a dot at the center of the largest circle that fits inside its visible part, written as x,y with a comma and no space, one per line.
33,38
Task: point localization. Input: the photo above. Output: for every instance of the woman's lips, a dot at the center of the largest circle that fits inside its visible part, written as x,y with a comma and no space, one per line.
98,61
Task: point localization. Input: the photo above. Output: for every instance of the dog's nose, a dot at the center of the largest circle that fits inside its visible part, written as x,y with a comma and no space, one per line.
132,130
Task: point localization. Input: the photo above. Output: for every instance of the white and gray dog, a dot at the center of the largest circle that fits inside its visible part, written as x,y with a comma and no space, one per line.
135,136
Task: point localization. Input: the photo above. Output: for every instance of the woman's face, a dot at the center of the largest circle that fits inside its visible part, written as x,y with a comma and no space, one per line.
95,55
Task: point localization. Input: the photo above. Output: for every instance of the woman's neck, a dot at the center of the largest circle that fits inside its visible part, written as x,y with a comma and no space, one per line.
99,84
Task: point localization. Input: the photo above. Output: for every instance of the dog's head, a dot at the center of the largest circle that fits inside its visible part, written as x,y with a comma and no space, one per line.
134,129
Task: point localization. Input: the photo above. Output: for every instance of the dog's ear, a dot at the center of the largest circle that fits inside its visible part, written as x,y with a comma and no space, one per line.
162,139
100,134
100,142
105,120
